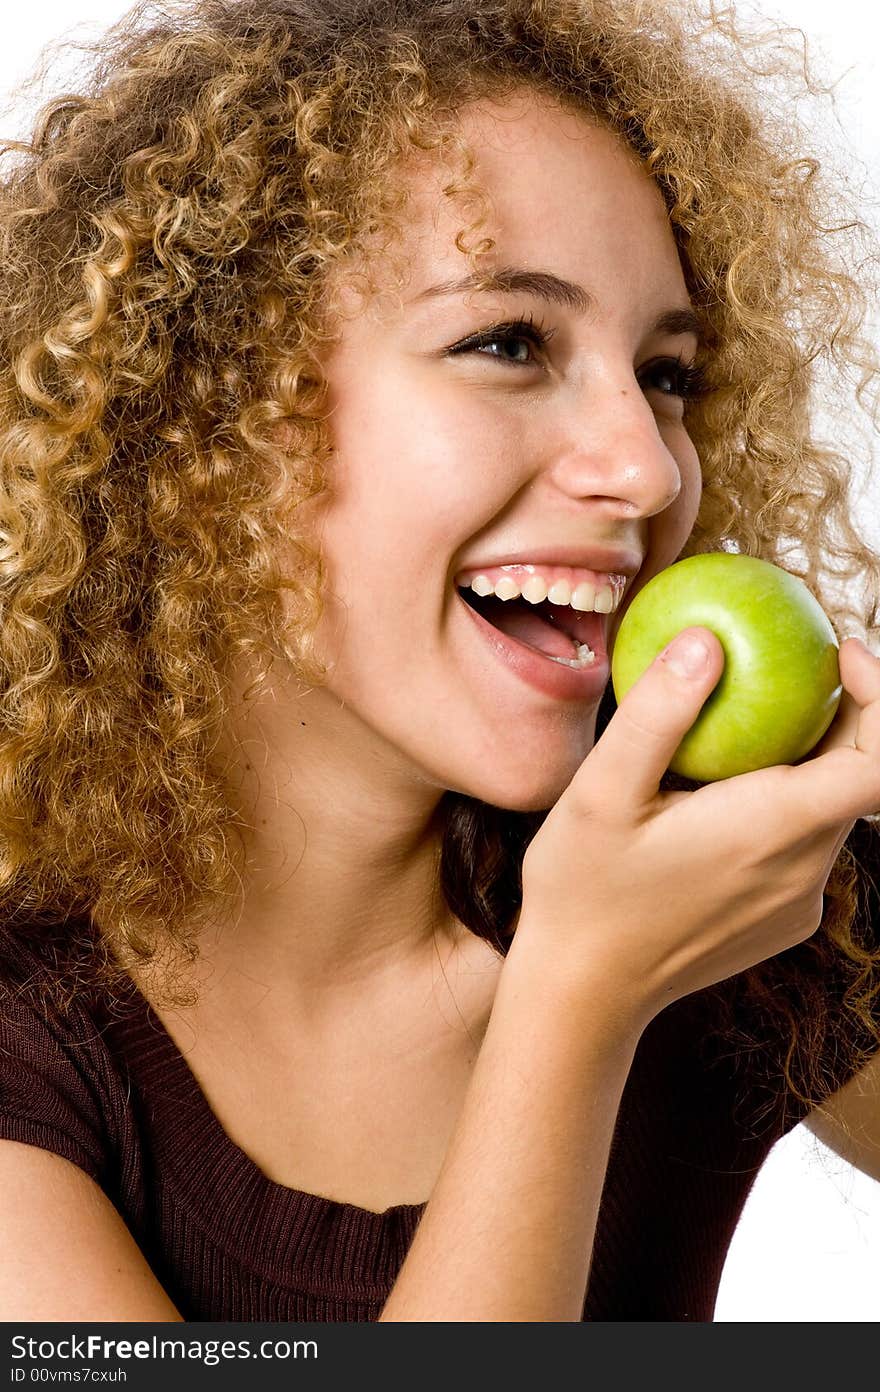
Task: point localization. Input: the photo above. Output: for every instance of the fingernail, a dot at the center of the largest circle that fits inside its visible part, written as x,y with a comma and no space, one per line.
687,655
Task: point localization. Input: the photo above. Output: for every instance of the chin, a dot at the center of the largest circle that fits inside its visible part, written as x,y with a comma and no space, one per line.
525,794
525,780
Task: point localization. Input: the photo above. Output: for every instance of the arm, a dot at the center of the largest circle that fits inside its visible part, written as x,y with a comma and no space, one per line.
67,1255
508,1232
632,899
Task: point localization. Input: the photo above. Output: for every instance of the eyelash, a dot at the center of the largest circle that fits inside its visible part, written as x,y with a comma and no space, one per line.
690,379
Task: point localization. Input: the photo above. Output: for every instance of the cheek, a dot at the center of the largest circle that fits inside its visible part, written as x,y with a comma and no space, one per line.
691,489
683,513
670,530
420,468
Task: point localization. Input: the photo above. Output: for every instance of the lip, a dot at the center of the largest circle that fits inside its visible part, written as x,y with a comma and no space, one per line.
541,673
610,559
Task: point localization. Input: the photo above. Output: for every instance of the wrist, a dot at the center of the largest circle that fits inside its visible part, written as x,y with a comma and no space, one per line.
540,976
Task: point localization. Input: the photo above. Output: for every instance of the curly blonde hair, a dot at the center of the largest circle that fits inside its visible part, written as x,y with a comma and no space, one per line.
170,237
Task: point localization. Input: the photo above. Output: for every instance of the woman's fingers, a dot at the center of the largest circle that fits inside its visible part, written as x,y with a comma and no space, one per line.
841,731
859,671
860,674
622,772
838,782
841,779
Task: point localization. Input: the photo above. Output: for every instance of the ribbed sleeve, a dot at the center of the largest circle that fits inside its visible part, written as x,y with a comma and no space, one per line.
52,1094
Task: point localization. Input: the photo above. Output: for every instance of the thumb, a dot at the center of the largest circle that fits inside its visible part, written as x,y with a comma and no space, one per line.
625,767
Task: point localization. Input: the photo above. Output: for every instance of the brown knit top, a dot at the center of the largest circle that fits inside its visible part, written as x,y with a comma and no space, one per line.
108,1089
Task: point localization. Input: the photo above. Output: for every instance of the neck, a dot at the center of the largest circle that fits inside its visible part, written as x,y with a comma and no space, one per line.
341,891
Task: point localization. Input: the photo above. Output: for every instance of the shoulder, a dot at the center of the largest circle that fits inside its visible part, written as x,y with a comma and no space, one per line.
59,1087
45,986
848,1121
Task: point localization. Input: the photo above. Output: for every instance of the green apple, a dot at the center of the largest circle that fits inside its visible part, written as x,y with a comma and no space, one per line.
780,688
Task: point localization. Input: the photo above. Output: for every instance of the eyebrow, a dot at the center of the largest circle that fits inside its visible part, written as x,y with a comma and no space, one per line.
509,280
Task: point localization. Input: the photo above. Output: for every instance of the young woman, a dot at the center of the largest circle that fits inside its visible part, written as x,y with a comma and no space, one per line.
360,960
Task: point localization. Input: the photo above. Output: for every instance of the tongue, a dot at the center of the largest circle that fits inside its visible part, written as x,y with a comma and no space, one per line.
518,621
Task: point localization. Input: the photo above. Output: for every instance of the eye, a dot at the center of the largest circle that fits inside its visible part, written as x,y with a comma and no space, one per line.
674,377
534,335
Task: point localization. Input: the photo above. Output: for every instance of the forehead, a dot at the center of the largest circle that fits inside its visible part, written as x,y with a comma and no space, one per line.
564,192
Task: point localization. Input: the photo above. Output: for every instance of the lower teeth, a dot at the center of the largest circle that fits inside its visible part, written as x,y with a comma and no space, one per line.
584,657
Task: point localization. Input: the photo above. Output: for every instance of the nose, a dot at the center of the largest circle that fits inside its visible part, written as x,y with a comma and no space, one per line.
611,449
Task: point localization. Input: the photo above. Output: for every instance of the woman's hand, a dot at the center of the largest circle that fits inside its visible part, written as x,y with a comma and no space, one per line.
652,895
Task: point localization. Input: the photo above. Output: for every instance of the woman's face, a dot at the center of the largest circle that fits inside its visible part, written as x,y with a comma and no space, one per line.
567,461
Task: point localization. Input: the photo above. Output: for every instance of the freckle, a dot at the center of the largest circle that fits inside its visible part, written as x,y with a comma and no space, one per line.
302,722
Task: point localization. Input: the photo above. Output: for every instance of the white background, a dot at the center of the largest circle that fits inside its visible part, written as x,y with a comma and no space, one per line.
808,1245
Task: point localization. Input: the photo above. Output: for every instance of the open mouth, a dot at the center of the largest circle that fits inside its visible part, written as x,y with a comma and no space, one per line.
556,631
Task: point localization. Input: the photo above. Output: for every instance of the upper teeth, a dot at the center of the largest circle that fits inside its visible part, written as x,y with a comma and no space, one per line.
603,599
